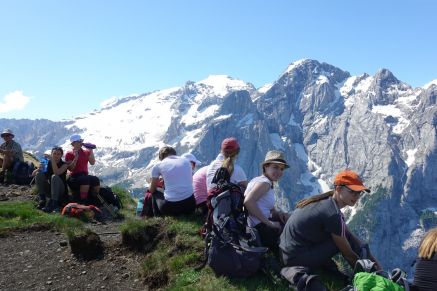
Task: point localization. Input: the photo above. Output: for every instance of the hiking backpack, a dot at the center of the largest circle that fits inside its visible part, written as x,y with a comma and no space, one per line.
82,212
230,245
22,173
367,278
109,196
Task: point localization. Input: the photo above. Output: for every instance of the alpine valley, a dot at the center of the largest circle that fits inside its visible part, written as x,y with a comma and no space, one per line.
324,119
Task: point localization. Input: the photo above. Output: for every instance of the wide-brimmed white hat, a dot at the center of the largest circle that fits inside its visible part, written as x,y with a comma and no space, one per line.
191,158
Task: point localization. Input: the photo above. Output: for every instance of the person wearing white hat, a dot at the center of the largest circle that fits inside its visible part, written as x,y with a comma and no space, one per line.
79,180
193,160
10,152
259,200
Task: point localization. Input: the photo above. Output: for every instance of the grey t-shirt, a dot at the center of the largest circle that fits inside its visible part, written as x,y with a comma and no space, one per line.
312,225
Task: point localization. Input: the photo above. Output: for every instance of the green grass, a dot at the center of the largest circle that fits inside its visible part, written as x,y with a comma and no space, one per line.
15,215
129,205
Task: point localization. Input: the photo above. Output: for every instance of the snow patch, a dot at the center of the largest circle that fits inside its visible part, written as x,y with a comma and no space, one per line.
322,79
410,157
221,85
427,85
263,89
222,117
413,240
295,65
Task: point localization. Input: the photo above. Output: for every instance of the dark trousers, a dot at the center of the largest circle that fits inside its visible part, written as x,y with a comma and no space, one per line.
269,236
165,207
320,255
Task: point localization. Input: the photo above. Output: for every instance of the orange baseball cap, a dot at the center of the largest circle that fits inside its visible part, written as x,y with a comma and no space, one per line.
350,179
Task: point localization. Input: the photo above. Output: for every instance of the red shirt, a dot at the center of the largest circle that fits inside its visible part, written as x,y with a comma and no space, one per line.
82,161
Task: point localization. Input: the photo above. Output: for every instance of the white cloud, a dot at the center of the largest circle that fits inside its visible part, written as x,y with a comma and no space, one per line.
14,101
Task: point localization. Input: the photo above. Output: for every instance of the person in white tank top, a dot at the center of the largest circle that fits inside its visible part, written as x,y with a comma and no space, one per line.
259,200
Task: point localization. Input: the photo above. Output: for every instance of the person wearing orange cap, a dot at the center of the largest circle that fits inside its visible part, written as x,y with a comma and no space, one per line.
226,158
316,230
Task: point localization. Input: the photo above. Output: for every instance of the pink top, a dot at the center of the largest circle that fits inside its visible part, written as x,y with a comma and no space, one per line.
82,161
199,185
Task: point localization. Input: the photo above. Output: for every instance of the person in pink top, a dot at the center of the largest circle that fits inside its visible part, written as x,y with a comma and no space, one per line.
79,179
200,190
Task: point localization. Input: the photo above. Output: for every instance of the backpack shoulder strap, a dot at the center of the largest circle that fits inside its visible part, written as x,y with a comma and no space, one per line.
364,265
222,174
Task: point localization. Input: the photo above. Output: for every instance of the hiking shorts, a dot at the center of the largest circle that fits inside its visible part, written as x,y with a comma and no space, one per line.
165,207
77,180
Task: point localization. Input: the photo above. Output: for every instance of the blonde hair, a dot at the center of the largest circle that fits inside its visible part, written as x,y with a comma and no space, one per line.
304,202
428,246
229,160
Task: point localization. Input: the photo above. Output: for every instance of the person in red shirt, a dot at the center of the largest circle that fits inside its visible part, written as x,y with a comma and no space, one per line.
79,180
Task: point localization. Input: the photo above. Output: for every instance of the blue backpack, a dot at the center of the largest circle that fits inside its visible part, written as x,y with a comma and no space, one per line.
22,173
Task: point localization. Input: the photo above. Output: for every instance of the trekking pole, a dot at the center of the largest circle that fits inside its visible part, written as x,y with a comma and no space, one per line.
32,181
106,205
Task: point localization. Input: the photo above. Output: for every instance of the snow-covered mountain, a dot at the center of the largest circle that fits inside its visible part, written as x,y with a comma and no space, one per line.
323,118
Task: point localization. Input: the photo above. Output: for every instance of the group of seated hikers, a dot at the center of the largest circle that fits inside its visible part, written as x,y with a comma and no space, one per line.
309,237
51,175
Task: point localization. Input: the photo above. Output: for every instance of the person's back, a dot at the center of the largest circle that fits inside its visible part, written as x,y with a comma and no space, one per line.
177,175
310,225
425,276
228,153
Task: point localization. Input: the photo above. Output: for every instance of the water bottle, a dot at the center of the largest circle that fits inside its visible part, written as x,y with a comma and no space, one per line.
45,164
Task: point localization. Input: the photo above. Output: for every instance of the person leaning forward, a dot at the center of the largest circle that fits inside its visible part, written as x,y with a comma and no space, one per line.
10,152
178,195
316,230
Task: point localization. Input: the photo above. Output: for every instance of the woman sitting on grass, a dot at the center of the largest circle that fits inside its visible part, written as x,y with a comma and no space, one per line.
316,230
259,200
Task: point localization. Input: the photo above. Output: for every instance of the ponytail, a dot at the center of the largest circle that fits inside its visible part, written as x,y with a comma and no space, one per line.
229,160
304,202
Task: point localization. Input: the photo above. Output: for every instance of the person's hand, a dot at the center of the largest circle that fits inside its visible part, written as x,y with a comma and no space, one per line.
275,225
283,217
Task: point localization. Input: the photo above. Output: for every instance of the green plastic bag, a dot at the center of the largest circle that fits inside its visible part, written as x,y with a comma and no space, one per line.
372,282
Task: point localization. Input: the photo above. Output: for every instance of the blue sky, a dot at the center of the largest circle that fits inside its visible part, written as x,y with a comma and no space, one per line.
59,59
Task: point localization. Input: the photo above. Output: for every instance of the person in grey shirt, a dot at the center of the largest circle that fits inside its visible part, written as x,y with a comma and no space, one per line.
316,230
10,152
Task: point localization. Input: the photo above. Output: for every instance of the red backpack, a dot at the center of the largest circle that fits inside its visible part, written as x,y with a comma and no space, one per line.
82,212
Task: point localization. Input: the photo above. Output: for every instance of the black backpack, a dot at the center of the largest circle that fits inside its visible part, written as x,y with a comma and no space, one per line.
22,173
109,196
230,244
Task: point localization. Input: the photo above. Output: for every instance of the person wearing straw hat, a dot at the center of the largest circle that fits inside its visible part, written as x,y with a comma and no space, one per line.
259,200
10,152
316,230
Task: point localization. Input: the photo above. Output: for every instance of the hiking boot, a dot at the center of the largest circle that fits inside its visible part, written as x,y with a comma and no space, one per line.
41,204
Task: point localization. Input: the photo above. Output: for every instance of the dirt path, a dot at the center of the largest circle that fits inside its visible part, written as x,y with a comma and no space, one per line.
40,259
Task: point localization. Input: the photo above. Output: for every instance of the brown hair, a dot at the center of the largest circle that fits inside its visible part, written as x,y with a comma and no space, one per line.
428,246
229,160
304,202
165,152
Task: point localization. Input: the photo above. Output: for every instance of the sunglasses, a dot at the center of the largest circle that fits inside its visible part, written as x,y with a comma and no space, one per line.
354,193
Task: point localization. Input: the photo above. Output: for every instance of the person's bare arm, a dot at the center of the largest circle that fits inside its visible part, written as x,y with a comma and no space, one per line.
345,249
